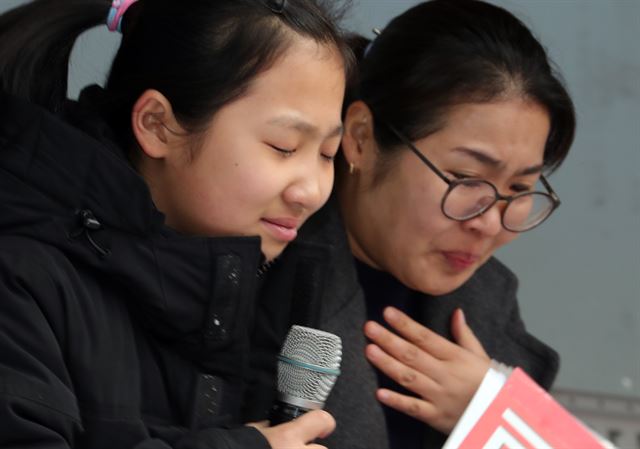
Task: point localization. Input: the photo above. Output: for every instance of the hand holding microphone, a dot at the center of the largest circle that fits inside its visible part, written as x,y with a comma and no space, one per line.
302,432
308,366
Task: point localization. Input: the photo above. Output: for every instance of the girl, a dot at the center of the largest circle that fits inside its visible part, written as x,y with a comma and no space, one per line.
134,222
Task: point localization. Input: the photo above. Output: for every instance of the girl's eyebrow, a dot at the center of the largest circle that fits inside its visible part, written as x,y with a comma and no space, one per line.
290,121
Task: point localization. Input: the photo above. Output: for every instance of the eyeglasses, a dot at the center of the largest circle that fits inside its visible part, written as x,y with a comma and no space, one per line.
468,198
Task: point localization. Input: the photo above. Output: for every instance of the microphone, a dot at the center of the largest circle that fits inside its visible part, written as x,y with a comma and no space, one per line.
308,367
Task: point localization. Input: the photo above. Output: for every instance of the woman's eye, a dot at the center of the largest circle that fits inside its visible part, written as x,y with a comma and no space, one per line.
519,188
283,151
457,175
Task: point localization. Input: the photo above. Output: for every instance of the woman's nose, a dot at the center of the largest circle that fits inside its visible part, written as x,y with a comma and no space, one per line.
489,223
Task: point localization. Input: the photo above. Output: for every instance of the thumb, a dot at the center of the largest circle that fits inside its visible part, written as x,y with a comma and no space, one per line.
312,425
464,336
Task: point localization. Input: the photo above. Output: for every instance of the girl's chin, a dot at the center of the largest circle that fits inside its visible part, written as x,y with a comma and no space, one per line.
272,252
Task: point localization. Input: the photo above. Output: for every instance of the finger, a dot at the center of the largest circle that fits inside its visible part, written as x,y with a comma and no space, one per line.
464,335
404,375
415,407
402,350
312,425
424,338
258,425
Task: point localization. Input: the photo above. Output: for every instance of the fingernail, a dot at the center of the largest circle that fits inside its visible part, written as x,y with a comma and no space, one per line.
371,329
373,352
464,320
391,313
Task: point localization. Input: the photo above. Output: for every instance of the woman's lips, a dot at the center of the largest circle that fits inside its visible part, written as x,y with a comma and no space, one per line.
460,260
283,229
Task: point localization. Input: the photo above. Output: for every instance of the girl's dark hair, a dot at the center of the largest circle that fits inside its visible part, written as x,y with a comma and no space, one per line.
442,53
200,54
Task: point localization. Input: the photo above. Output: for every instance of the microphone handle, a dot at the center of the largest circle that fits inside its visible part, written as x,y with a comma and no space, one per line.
283,412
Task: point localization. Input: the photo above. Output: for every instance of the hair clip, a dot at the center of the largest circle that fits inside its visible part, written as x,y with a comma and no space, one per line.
367,49
118,8
276,6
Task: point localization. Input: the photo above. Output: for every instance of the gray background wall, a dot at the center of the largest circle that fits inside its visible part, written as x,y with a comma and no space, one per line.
580,272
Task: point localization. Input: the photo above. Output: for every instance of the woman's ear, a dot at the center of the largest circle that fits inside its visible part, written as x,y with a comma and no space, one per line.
152,122
358,141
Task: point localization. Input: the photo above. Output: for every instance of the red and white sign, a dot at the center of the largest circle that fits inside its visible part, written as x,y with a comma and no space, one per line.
521,416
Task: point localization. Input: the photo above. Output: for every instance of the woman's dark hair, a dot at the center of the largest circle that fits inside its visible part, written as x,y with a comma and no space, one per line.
200,54
442,53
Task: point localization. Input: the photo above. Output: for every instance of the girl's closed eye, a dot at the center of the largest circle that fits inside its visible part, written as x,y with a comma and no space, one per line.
330,149
329,155
284,152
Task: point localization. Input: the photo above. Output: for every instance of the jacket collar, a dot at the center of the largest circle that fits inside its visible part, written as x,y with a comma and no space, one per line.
72,188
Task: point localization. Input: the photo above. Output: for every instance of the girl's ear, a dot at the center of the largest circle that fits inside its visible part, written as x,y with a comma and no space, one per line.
152,122
358,140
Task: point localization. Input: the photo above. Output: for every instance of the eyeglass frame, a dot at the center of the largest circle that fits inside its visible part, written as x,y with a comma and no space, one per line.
452,183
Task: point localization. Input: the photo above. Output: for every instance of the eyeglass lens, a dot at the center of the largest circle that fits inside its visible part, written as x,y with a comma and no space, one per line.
469,199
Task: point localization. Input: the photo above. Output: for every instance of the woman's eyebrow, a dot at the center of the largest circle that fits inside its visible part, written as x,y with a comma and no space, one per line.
481,157
494,163
533,170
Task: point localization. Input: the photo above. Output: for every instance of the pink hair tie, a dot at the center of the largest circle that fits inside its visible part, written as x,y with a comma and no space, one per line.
118,8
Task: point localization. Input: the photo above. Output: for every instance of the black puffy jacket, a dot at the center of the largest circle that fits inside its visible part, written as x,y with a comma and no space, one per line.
115,331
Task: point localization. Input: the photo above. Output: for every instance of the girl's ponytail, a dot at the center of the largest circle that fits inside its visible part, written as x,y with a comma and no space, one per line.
36,40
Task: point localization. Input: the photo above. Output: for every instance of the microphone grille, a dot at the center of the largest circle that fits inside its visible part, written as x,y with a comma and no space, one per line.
309,363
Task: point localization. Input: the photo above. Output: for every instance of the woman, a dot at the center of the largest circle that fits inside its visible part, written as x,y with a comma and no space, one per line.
133,223
454,119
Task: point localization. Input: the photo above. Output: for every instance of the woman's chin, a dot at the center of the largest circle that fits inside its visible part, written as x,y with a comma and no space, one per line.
441,284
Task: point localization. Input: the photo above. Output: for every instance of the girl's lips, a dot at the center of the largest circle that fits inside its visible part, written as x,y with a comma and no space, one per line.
460,261
283,229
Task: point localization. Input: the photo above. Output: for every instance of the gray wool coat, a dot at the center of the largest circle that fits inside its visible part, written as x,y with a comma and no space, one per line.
491,309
